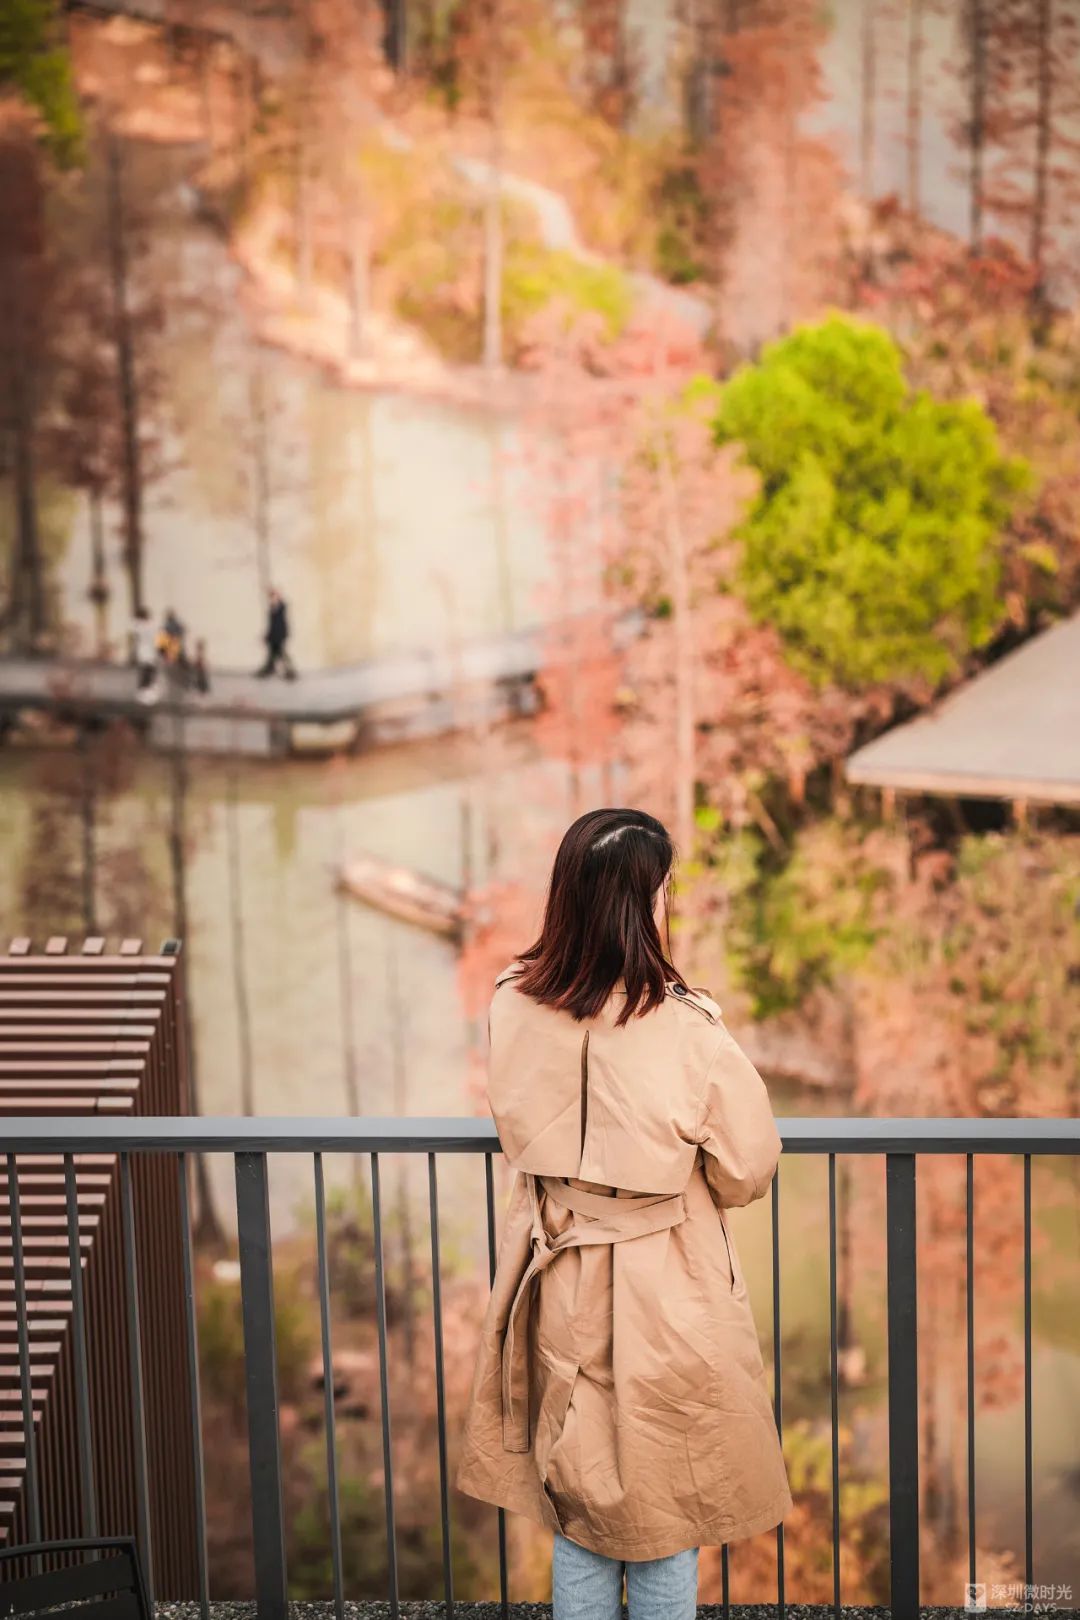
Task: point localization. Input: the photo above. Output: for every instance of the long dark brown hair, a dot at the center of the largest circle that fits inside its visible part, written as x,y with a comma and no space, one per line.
598,922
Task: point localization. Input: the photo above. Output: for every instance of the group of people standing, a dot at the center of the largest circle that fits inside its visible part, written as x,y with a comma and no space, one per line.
164,652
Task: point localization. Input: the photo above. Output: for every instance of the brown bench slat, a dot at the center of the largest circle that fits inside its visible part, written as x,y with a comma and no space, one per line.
64,1021
80,976
122,1046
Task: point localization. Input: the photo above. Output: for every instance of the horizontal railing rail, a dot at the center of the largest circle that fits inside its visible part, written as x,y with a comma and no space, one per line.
252,1141
452,1134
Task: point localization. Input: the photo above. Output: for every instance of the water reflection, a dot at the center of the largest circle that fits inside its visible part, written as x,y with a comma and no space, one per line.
305,1002
396,524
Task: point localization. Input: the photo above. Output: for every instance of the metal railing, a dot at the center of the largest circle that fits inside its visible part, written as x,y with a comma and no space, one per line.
250,1140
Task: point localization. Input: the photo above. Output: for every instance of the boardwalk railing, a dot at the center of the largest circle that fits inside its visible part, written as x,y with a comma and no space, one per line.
251,1141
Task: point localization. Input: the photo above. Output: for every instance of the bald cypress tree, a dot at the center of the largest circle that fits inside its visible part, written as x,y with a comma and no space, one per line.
25,288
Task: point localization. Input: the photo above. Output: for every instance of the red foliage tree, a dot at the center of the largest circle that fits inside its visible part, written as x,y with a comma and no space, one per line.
771,190
610,68
1032,182
489,37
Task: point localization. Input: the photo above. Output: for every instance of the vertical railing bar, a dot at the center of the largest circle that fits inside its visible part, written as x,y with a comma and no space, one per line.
725,1581
328,1388
194,1389
384,1391
138,1410
26,1388
777,1386
969,1273
834,1387
260,1372
440,1383
1029,1559
903,1385
489,1185
84,1430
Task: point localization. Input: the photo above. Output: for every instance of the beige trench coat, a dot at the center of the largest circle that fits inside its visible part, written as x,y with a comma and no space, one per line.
619,1394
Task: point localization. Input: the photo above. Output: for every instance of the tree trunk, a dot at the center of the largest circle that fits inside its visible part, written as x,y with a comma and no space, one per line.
572,650
88,821
493,214
260,457
206,91
622,69
868,101
913,107
1044,88
493,271
349,1064
236,921
977,130
359,254
505,590
24,328
302,207
401,1109
395,34
466,818
951,1520
698,86
929,1461
247,101
789,265
207,1226
715,83
683,635
304,250
845,1276
99,587
123,340
27,585
350,1074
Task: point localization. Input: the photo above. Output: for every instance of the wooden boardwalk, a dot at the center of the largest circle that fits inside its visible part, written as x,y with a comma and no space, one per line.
411,695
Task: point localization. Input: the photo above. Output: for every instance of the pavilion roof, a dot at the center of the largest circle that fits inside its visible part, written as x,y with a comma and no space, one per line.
1013,732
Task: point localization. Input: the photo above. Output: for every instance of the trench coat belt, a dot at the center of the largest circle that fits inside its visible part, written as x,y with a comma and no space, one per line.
607,1219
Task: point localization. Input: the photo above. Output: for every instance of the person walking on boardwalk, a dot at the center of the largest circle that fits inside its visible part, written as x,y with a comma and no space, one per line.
200,668
619,1396
276,638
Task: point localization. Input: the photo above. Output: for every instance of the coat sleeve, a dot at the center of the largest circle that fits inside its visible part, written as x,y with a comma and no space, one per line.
735,1127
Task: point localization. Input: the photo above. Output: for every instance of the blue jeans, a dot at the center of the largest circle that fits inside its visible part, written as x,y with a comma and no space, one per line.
587,1586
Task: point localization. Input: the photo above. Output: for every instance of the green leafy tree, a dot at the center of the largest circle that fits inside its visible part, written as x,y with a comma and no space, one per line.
35,65
873,545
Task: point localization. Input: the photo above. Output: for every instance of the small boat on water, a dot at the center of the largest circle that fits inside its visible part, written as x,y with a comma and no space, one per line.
406,894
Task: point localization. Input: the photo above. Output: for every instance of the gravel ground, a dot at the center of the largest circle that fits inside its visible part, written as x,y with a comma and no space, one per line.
542,1611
